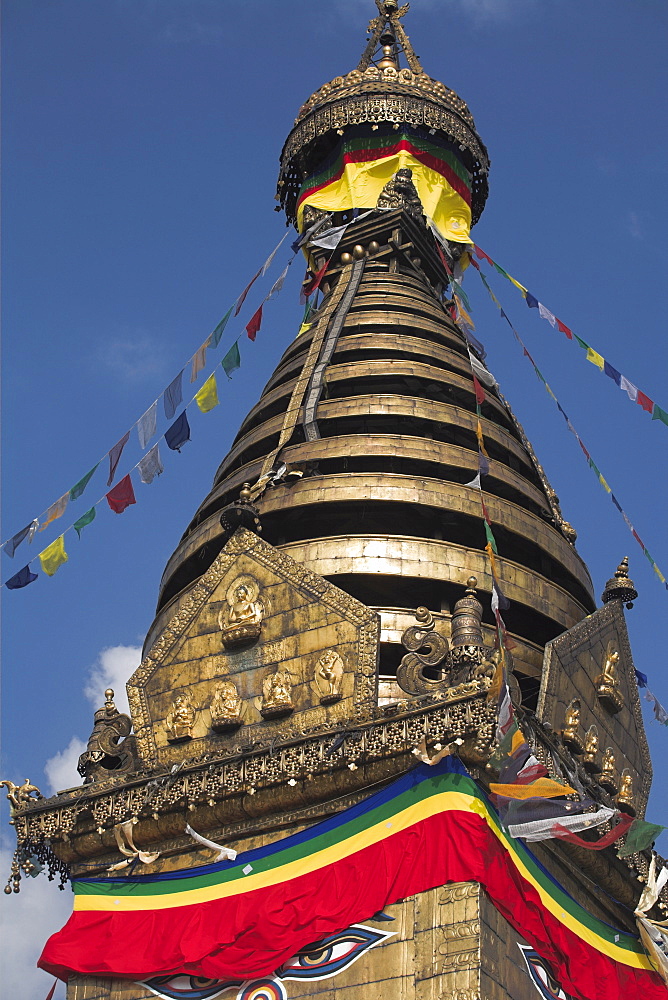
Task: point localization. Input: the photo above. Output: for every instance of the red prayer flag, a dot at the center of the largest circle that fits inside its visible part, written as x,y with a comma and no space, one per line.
479,392
310,286
52,990
637,538
240,300
644,401
122,495
618,831
254,324
564,329
483,255
443,260
485,512
474,262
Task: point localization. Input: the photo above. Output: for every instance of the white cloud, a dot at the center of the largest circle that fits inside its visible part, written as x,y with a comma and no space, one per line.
27,919
61,769
133,355
113,668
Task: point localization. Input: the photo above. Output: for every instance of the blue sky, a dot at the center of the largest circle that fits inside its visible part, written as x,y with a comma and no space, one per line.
141,141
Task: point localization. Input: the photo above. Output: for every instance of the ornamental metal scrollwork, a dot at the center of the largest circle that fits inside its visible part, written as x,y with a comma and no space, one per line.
411,677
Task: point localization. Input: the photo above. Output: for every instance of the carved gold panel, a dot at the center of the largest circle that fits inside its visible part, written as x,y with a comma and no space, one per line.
261,621
589,680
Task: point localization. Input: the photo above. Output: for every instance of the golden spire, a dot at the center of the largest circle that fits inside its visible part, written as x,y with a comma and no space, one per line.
386,31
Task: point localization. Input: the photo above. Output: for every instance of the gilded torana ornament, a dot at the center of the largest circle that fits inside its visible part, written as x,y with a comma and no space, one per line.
225,707
625,798
329,676
180,719
277,695
607,682
241,620
590,759
608,779
570,735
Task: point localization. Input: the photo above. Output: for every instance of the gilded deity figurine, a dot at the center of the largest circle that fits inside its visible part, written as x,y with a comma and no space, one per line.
608,779
570,735
241,620
625,798
277,695
400,192
180,719
590,759
225,707
328,677
607,682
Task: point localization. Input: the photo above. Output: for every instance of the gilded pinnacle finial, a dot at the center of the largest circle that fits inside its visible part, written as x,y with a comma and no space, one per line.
620,587
109,694
467,618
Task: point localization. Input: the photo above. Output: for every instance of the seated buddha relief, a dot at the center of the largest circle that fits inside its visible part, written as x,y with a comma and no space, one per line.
241,619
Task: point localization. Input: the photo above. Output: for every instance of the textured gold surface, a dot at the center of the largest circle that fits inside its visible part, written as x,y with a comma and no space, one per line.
572,664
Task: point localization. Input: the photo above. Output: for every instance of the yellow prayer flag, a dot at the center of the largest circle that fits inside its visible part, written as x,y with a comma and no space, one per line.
207,397
517,741
463,313
303,328
659,573
595,358
542,788
604,484
517,285
56,509
481,439
53,556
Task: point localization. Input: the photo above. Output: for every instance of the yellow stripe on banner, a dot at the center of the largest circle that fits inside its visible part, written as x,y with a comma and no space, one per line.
361,184
435,804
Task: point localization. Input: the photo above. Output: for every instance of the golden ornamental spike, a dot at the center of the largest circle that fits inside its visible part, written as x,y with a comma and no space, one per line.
620,587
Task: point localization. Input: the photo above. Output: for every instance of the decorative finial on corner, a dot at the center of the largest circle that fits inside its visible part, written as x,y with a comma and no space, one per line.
245,493
109,698
620,587
471,585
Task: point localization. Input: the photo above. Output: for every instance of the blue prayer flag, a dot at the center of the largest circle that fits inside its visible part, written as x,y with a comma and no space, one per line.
12,545
21,579
177,435
532,301
612,372
641,679
173,396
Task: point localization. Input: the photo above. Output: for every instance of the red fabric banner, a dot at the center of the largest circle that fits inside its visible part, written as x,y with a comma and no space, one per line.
254,324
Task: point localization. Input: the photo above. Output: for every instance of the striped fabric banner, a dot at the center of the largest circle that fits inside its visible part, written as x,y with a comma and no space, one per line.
242,920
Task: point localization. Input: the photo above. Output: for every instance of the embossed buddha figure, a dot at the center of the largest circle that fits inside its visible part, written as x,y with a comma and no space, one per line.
180,719
608,779
277,695
225,706
625,798
590,759
607,682
241,621
571,735
329,675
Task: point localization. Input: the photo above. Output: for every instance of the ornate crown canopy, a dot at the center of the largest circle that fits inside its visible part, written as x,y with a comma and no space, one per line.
379,92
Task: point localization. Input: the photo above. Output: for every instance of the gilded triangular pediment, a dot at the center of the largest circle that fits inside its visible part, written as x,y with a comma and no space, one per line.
261,647
589,681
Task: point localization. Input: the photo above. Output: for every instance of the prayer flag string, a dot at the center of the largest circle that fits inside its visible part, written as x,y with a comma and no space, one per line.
147,424
635,394
585,451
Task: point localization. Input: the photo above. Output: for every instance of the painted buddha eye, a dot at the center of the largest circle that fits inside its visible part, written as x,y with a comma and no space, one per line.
179,986
332,954
541,975
320,960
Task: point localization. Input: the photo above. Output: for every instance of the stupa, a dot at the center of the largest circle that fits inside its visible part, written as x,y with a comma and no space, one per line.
299,800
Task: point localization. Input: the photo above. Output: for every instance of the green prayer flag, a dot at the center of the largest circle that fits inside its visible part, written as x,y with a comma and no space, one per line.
490,538
583,344
640,836
79,487
659,414
231,361
500,270
214,339
505,747
84,520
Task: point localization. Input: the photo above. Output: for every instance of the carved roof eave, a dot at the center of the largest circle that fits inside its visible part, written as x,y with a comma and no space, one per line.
375,102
